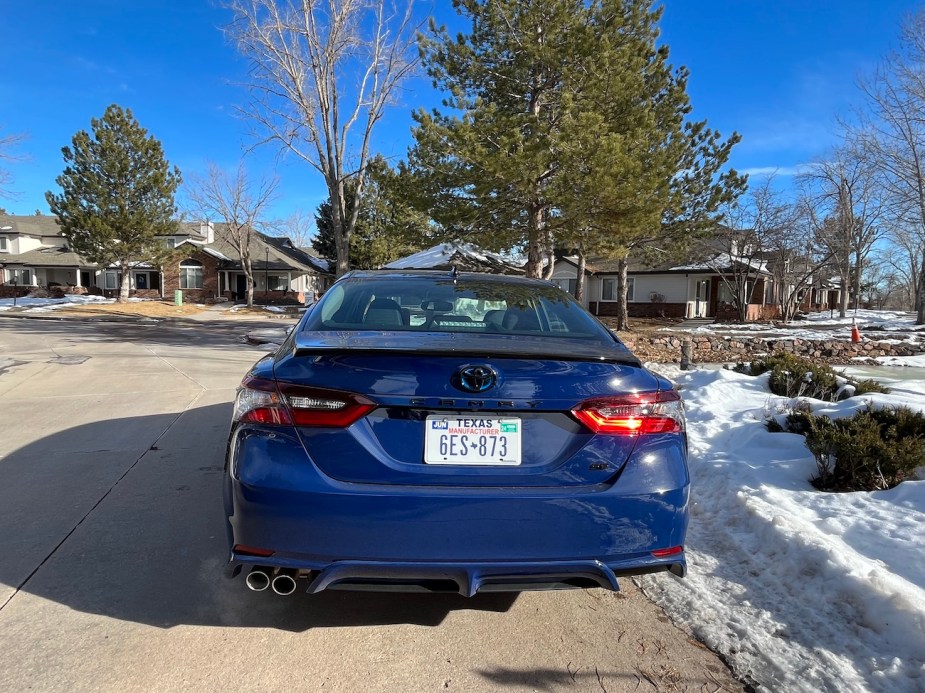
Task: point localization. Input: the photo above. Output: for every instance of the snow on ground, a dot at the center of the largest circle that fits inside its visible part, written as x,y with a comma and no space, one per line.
800,590
40,305
875,325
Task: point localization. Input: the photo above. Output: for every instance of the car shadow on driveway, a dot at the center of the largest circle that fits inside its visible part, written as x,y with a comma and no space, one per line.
124,519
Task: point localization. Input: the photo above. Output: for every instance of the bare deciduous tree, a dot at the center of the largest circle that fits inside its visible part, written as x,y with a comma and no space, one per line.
237,203
794,260
8,143
298,227
323,72
843,202
892,135
739,250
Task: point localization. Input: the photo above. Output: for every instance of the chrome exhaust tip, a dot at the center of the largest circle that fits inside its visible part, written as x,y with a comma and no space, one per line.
284,584
258,579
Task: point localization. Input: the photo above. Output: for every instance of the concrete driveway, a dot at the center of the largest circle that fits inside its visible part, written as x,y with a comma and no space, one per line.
112,547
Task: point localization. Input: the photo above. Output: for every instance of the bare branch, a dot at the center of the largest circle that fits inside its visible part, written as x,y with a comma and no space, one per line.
322,74
237,203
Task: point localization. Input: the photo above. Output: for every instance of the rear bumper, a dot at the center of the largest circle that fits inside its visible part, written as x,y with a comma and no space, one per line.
371,536
466,579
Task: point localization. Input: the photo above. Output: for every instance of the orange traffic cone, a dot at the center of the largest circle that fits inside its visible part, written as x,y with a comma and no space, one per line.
855,332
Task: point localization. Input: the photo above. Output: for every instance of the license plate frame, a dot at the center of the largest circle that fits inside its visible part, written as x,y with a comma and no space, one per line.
473,441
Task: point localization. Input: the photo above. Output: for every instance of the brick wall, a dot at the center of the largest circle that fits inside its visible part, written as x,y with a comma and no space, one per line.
9,291
209,291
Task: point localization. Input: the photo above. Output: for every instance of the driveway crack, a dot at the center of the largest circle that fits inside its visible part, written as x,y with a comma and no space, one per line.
102,498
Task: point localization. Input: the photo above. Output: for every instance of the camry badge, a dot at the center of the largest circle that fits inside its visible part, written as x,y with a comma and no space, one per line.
475,378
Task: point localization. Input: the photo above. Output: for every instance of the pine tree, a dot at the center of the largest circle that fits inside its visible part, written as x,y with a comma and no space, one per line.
565,125
386,229
117,195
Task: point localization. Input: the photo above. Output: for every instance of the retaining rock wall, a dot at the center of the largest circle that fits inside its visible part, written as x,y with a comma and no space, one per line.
721,349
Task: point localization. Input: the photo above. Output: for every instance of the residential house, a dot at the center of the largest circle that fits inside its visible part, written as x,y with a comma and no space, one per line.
34,253
696,290
206,268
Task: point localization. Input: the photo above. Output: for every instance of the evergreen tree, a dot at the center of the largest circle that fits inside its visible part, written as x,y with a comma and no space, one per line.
570,127
387,227
117,195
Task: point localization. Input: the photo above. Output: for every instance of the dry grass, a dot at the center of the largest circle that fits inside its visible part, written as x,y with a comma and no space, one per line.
642,326
151,309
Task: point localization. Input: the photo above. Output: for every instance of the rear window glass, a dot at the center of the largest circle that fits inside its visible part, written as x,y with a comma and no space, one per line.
426,304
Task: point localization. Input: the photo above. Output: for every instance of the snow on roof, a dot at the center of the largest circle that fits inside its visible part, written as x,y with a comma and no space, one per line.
444,254
723,261
214,253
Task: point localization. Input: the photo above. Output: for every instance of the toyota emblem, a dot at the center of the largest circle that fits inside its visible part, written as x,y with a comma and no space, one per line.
475,378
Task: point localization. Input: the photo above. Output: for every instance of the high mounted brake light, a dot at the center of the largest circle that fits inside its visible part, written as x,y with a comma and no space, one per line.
632,415
285,404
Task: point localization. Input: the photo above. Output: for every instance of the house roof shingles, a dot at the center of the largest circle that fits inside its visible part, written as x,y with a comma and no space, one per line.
283,255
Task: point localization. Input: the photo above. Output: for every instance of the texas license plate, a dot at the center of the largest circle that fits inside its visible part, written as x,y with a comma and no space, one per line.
472,440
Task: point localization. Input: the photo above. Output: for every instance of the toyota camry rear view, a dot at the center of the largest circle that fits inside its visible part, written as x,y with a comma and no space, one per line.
453,432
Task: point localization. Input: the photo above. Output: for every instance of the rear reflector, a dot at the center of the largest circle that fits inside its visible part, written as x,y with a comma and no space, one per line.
642,413
664,553
245,550
285,404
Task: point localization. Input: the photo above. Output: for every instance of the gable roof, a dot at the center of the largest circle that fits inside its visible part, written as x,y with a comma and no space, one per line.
721,263
464,256
31,225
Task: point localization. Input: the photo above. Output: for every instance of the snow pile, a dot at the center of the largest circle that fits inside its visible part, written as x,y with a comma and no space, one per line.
40,305
800,590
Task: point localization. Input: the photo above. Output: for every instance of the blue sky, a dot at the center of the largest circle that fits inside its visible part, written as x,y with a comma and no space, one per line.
775,71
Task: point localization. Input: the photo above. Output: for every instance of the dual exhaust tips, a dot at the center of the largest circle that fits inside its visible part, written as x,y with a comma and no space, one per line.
283,582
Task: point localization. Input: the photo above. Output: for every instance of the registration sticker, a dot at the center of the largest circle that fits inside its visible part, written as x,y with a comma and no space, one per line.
472,440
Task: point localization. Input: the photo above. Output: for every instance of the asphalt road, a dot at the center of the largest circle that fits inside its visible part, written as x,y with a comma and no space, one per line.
112,546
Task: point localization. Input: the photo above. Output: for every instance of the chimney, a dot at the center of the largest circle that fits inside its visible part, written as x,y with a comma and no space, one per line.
207,231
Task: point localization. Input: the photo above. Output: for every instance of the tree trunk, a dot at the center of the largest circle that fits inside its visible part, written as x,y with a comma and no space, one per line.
843,297
920,296
125,284
580,279
249,277
550,253
856,283
535,242
622,312
742,299
338,200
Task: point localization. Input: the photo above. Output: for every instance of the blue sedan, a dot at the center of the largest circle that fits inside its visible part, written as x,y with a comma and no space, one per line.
446,431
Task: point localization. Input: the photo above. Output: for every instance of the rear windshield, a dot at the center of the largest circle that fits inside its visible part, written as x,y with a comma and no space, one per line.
469,305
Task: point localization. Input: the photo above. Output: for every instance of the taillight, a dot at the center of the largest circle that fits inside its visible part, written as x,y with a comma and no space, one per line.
637,414
284,404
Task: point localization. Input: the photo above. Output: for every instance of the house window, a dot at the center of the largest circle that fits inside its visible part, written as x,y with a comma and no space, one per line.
171,242
609,289
567,285
190,274
112,279
21,277
278,282
4,245
141,280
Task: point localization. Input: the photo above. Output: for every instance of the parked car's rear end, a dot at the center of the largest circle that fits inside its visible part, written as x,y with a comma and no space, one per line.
461,433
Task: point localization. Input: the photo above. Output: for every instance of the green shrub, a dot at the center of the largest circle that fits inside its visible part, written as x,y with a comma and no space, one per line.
793,376
863,387
873,450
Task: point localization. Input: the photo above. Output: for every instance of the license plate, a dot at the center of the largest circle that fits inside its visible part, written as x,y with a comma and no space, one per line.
472,440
